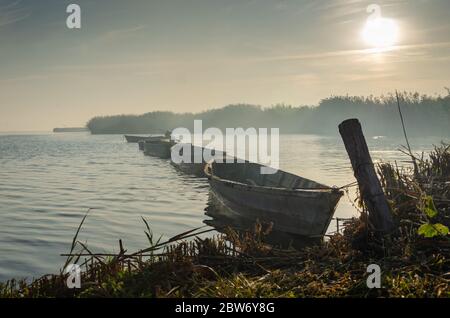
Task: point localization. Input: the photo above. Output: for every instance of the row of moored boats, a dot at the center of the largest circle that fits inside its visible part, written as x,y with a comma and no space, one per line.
293,204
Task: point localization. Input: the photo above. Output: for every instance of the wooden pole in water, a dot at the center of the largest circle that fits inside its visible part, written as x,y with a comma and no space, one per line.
369,186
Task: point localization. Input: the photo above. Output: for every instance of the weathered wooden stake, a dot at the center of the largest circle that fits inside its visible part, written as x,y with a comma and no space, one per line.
369,186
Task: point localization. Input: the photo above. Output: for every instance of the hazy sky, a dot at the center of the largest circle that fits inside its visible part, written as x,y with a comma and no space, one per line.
190,55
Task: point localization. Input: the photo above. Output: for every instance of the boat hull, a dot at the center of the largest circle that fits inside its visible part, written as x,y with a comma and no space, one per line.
136,139
301,211
194,169
222,218
160,149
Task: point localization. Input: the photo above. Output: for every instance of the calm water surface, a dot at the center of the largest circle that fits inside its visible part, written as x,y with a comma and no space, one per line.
49,181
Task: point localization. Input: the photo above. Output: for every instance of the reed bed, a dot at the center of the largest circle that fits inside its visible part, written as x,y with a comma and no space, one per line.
413,259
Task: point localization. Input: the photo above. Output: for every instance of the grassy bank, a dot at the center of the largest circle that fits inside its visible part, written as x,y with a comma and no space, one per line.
414,259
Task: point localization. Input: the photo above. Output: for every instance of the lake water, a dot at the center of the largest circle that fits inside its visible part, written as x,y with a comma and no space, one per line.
49,181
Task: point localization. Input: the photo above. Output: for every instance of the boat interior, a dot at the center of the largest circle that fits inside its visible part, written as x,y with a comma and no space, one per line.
250,173
197,152
156,140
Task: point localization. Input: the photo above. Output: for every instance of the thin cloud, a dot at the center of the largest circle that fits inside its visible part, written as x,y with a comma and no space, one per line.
345,53
26,78
346,11
13,12
122,33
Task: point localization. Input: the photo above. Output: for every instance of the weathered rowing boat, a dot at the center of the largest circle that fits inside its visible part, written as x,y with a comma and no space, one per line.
136,139
192,163
293,204
158,148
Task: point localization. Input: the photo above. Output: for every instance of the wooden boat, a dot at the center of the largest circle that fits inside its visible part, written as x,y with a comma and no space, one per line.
136,139
158,148
196,164
293,204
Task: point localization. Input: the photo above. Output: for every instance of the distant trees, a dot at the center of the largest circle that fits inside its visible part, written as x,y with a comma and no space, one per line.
424,115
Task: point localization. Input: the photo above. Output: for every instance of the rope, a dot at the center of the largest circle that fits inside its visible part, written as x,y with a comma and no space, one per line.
349,185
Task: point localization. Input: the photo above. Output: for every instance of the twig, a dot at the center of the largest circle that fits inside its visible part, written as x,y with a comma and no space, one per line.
406,136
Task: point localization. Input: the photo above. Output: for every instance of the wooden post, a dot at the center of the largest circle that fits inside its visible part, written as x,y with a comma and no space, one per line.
369,186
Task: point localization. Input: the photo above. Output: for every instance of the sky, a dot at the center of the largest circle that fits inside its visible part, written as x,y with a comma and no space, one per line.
136,56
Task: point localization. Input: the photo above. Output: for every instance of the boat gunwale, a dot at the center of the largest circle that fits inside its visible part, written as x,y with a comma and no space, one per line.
158,140
192,153
281,190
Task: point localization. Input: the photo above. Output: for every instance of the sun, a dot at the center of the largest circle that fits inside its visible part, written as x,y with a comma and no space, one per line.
380,33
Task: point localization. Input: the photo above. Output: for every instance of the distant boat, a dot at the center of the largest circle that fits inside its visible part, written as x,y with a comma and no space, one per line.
158,147
136,139
293,204
196,164
70,129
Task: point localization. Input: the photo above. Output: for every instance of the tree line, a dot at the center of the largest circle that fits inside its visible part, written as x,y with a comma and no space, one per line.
423,114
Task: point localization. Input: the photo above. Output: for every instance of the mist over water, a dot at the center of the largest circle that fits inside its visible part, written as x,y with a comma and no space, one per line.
49,181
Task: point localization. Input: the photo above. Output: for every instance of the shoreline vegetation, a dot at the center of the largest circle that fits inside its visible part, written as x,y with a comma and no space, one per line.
425,116
70,129
414,258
